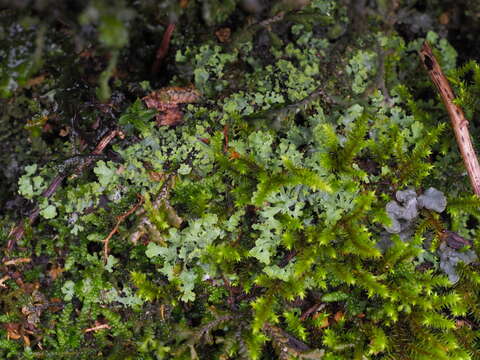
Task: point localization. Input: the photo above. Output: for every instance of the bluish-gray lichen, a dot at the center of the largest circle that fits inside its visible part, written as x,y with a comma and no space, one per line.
449,258
404,211
433,199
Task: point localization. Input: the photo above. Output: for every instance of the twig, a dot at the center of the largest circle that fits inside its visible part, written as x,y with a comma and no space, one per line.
225,136
99,148
163,49
311,310
273,19
120,219
459,122
98,327
19,230
231,297
17,261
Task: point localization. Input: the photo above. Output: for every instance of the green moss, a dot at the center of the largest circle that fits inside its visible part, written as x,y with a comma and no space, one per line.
260,232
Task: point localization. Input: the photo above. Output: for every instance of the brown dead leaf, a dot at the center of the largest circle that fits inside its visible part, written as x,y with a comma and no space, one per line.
35,81
325,323
29,288
234,155
223,34
13,331
339,315
183,4
26,340
156,176
171,96
55,272
168,101
170,118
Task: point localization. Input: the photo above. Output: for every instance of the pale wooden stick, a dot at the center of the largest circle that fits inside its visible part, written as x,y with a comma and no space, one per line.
459,122
98,327
17,261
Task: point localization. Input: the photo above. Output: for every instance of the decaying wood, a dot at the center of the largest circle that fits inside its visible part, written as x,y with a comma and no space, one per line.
459,122
19,230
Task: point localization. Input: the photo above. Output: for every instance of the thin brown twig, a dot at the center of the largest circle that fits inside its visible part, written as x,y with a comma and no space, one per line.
457,117
163,49
120,219
99,148
19,230
231,297
312,310
225,136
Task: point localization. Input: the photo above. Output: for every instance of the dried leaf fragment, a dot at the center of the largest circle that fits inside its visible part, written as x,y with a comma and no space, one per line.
35,81
156,176
339,316
234,155
168,101
55,272
13,331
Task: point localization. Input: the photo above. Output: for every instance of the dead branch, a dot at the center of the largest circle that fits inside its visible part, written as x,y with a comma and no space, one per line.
457,117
